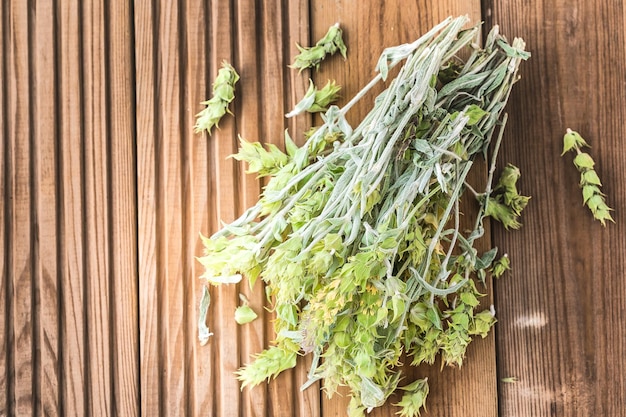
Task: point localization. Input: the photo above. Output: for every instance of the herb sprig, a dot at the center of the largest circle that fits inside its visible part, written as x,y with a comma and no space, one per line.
329,44
590,182
223,95
357,233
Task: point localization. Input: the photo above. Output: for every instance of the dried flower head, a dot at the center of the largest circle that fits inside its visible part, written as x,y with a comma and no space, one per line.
590,182
331,43
223,95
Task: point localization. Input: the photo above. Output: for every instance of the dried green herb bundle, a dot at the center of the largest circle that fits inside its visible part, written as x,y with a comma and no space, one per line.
357,233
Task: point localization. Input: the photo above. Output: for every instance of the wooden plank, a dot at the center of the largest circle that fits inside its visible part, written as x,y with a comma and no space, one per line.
170,260
73,318
96,186
147,131
20,263
247,117
562,310
45,199
164,378
5,192
72,216
471,390
195,203
122,206
224,194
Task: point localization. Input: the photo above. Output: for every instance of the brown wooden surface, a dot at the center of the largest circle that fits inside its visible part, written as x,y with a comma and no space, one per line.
19,248
70,335
187,186
5,380
562,311
106,188
122,200
71,235
44,252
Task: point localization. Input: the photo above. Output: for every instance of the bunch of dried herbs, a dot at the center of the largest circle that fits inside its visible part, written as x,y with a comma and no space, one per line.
357,233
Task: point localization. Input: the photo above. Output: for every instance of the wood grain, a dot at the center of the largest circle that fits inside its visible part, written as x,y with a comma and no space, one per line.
147,199
160,169
45,201
562,310
5,174
96,186
169,142
248,124
122,208
73,322
106,187
225,197
24,372
195,202
367,31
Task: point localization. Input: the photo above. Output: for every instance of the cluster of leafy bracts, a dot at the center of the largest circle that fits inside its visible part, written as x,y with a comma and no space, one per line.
217,105
590,182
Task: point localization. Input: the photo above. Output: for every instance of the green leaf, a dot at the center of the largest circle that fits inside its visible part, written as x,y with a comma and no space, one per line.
342,340
583,161
501,266
203,330
469,299
487,258
288,313
244,314
417,315
589,191
594,202
461,319
398,307
361,268
474,113
589,178
305,103
603,216
290,146
517,203
512,51
572,141
433,315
